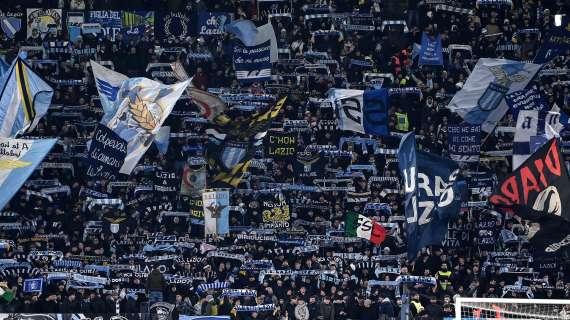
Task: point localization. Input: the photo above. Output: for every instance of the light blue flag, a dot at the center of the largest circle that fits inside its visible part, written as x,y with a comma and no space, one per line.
108,83
18,159
24,99
244,30
482,98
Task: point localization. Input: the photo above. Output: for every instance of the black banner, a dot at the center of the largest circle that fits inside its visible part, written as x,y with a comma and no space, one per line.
106,154
165,182
173,25
275,211
280,146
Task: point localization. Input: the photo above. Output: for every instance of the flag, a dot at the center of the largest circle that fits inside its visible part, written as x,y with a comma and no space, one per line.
18,159
193,180
216,211
357,225
548,233
33,285
252,36
24,99
211,106
361,111
532,124
481,101
142,106
432,195
540,182
402,123
4,67
108,83
431,50
6,294
557,42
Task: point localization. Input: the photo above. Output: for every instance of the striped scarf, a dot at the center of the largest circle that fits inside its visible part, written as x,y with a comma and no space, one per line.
258,308
212,286
448,8
104,202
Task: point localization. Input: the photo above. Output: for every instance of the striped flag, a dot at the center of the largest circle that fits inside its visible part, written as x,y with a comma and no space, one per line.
360,226
24,99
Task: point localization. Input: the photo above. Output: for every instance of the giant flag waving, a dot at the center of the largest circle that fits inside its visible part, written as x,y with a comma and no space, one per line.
18,159
541,182
24,99
432,195
362,111
108,83
481,101
142,106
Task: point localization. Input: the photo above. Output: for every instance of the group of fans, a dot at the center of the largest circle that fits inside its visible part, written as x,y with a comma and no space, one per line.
148,257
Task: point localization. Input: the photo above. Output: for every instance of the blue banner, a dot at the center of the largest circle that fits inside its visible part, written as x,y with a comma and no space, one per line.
431,51
136,24
252,63
33,285
212,23
557,42
110,22
464,141
525,100
430,201
375,112
106,154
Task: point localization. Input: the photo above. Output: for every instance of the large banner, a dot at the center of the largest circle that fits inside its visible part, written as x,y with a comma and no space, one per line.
481,100
43,21
106,154
464,142
361,111
110,21
252,63
173,25
432,195
12,23
165,182
280,145
212,23
136,24
525,100
216,212
73,22
275,211
431,51
18,159
541,182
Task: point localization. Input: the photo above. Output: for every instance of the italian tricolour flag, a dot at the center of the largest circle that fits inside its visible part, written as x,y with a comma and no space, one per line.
357,225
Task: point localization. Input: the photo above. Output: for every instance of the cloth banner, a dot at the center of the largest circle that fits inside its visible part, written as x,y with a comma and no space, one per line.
106,154
252,63
40,22
216,212
173,25
110,22
464,142
525,100
431,50
557,42
212,23
165,182
275,211
280,145
136,24
193,180
11,23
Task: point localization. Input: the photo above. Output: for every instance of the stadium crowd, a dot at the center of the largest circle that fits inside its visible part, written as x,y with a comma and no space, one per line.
168,257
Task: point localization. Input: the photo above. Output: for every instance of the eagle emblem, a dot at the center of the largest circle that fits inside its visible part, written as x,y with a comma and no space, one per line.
216,209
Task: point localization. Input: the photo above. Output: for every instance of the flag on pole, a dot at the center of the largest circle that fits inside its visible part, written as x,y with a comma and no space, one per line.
24,99
357,225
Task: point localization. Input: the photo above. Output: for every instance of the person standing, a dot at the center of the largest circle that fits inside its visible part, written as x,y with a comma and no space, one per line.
155,285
